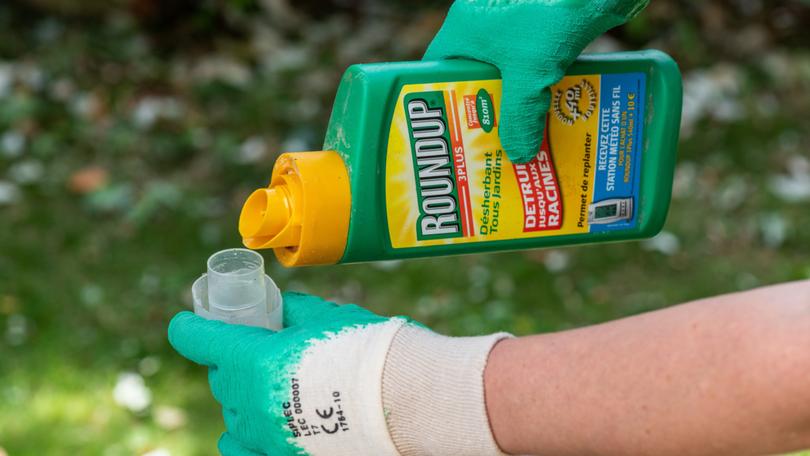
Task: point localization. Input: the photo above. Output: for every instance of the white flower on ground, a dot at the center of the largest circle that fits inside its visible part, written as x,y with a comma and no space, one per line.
713,92
131,392
12,143
252,150
774,228
219,68
27,172
556,260
9,193
388,265
665,242
151,109
6,78
16,330
170,418
795,186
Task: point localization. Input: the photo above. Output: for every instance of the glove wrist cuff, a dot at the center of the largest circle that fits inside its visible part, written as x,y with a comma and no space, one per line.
433,393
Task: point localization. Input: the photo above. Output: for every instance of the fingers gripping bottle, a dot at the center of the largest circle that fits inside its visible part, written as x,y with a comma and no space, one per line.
412,165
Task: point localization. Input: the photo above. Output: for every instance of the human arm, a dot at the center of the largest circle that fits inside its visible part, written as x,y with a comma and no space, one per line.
728,375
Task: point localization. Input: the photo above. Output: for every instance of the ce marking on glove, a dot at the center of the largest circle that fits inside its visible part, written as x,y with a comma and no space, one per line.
302,423
334,416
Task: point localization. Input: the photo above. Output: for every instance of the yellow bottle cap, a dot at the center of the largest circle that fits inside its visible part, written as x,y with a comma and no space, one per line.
304,213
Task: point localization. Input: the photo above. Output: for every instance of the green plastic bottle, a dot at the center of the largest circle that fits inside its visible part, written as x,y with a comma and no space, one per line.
412,165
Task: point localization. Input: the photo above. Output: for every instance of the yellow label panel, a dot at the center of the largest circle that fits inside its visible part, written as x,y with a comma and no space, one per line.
448,180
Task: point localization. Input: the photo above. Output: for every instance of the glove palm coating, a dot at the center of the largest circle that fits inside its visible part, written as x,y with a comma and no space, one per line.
532,42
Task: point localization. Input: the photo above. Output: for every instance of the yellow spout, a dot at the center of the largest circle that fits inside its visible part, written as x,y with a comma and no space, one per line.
265,214
304,213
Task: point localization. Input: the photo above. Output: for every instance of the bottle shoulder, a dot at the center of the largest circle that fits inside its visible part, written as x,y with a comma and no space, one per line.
462,69
408,72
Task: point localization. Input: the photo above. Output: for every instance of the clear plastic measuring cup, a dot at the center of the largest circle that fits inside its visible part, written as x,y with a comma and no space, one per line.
235,289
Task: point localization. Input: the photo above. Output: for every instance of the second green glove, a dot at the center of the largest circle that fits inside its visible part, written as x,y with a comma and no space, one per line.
532,42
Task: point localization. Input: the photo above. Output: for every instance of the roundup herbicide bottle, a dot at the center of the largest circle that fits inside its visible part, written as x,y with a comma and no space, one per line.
412,165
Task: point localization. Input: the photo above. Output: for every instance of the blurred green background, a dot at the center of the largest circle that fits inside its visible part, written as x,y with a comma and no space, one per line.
132,130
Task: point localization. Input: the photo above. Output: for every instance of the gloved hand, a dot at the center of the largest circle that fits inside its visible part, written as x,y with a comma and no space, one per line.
340,380
532,42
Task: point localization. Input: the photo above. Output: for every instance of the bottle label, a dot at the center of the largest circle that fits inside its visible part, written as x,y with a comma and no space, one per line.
449,181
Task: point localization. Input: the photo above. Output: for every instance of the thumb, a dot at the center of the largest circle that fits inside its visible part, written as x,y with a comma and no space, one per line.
300,308
524,106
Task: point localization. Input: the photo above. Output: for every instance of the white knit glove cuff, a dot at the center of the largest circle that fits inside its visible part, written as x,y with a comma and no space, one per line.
433,394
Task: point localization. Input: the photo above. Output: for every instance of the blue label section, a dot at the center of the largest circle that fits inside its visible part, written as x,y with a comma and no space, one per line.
618,160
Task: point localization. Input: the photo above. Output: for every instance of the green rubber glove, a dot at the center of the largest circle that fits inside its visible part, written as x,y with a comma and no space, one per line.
532,42
340,380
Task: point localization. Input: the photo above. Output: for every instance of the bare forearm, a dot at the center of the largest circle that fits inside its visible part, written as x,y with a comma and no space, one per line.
724,375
